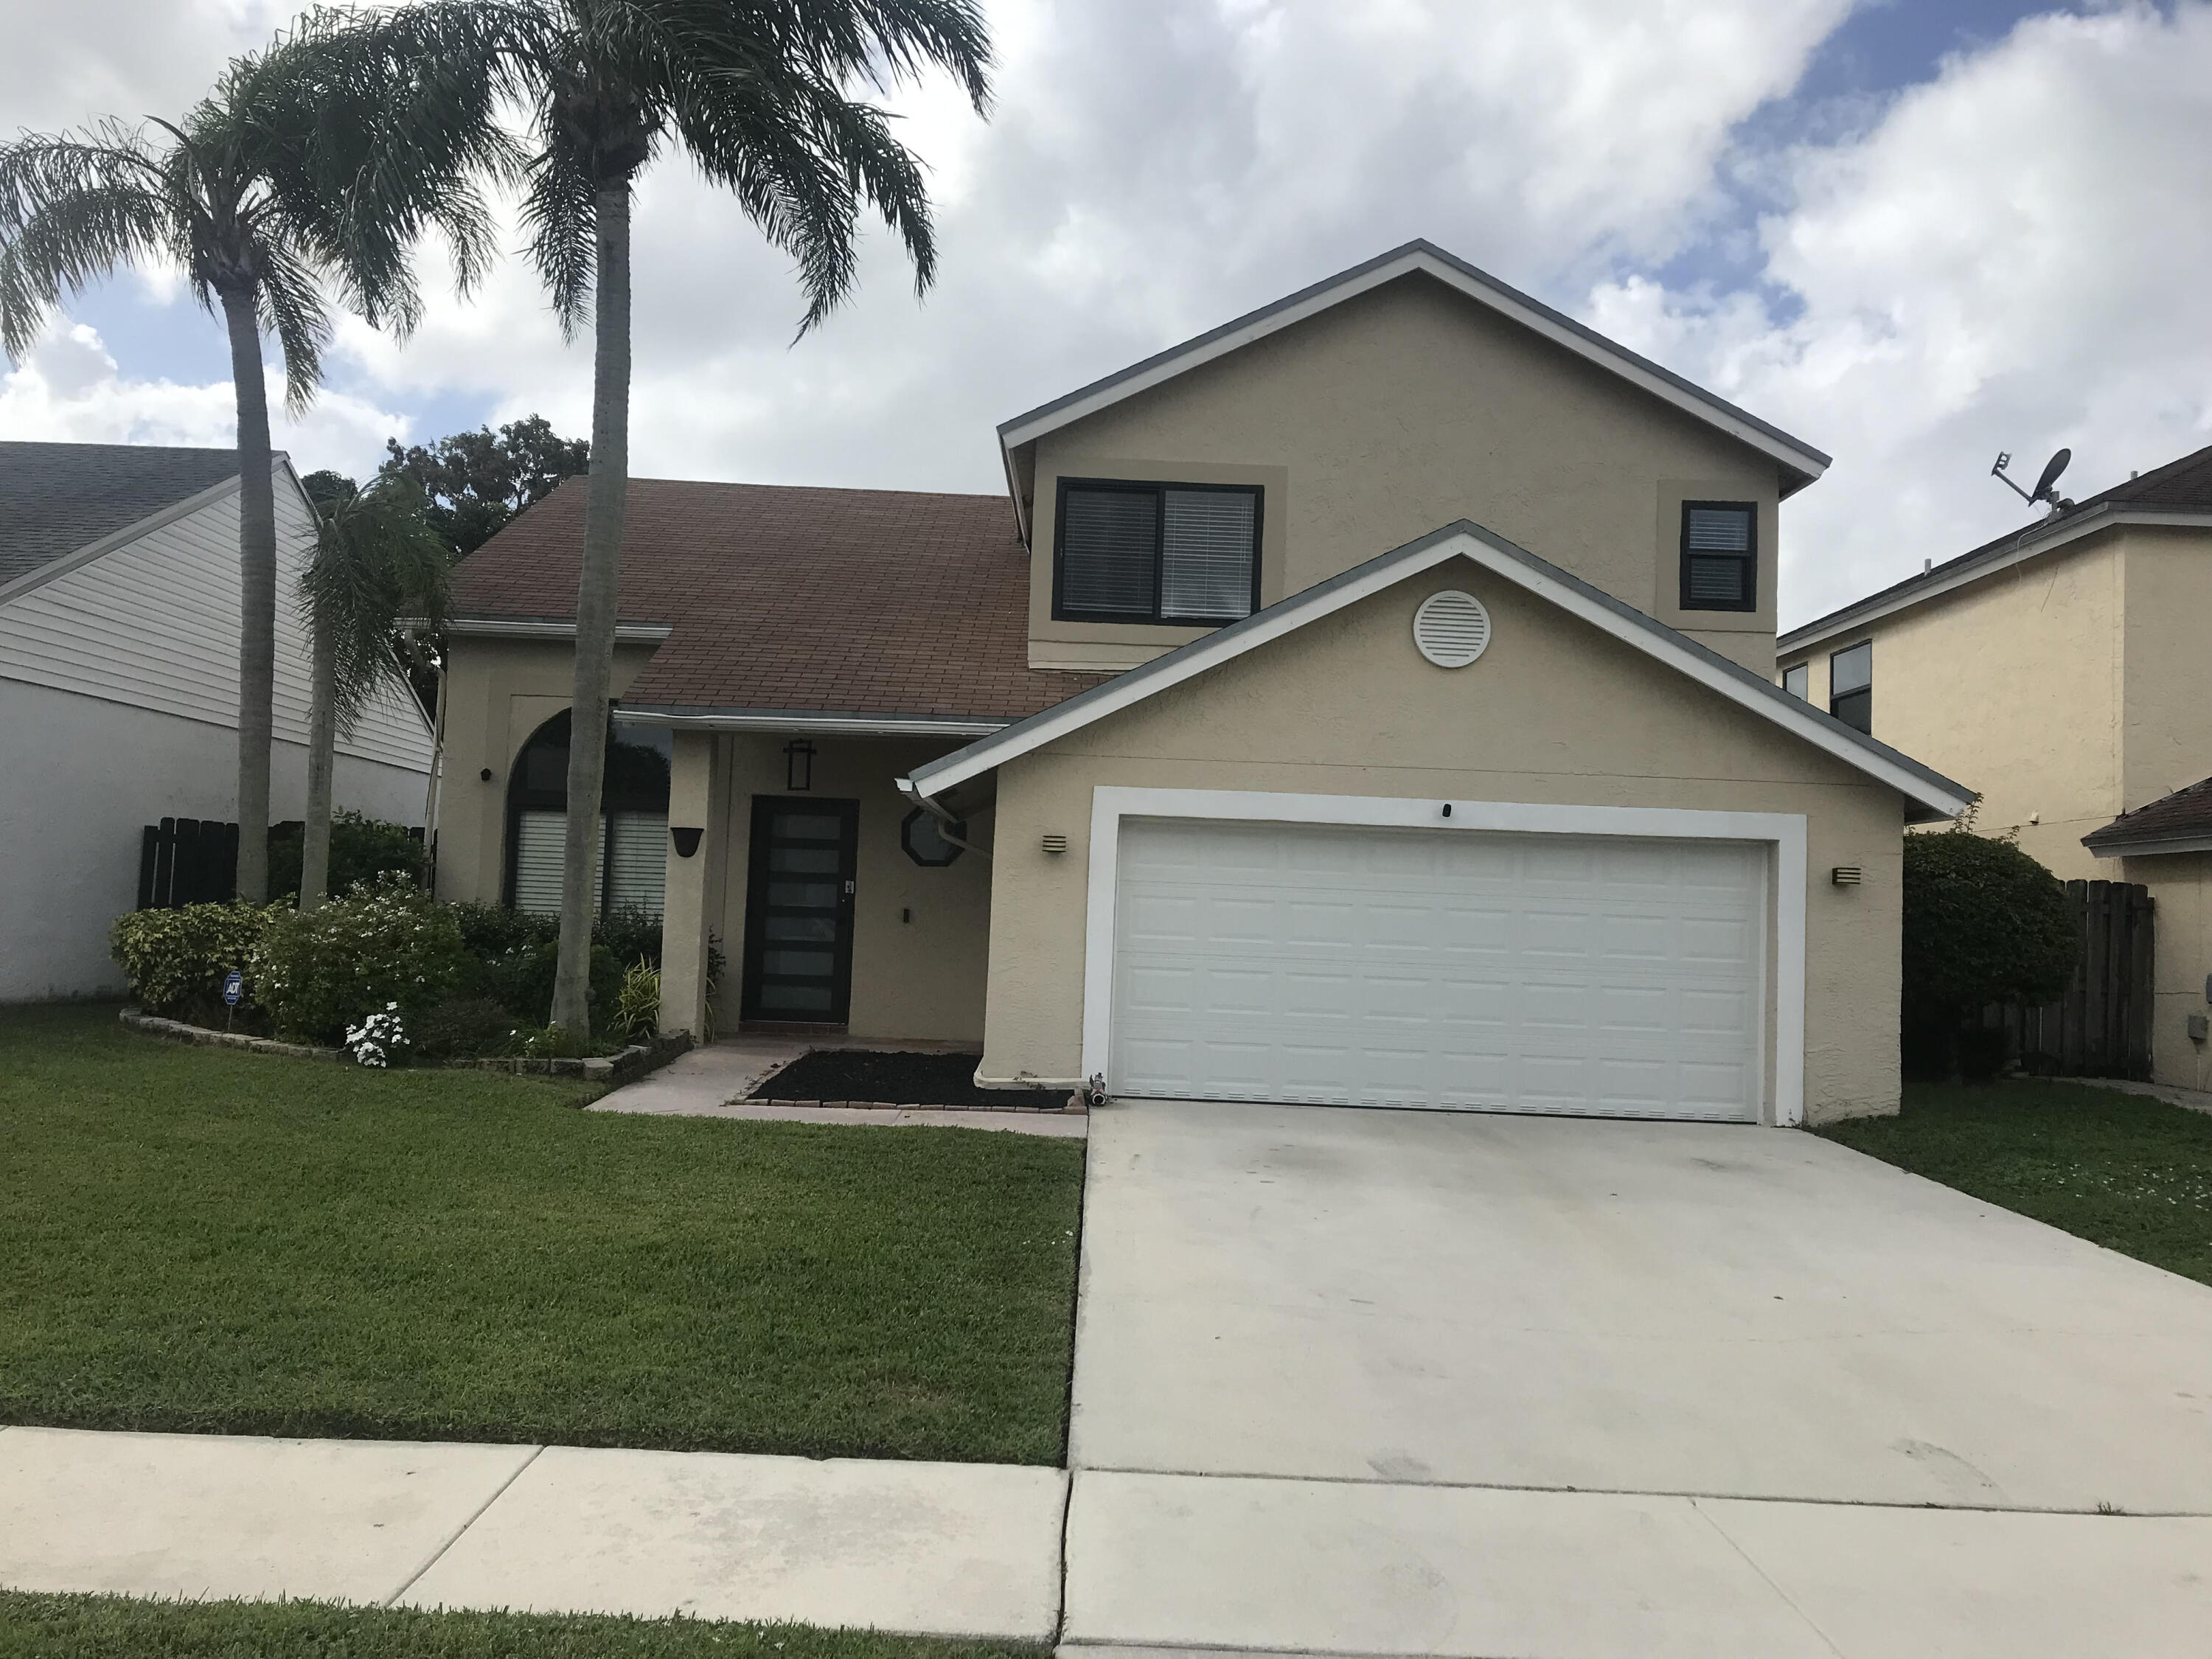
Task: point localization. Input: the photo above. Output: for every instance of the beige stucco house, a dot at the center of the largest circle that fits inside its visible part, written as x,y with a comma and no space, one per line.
1370,701
2065,669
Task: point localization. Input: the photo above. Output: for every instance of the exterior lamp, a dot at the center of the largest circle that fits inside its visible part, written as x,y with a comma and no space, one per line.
799,765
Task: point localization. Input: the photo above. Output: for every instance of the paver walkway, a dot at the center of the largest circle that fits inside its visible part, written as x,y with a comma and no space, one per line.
948,1549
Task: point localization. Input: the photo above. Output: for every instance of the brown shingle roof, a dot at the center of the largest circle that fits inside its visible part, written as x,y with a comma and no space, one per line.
874,602
2185,815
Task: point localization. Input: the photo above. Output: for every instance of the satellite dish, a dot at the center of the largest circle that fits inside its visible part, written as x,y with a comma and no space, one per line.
2045,487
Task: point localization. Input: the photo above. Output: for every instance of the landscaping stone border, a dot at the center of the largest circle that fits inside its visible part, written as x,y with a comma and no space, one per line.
614,1069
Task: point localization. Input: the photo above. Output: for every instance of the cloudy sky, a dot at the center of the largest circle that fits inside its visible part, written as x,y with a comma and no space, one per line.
1911,231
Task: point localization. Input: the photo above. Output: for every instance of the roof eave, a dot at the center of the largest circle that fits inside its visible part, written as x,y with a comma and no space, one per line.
1918,590
1928,794
1798,462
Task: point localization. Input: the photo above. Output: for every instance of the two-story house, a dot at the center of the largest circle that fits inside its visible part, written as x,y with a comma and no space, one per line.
2065,669
1370,701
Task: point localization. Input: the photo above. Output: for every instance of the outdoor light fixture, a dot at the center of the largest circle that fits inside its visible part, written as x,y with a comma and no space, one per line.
1847,875
799,765
686,839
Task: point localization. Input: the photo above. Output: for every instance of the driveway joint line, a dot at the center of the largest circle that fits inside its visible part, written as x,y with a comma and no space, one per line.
1788,1599
454,1537
1645,1492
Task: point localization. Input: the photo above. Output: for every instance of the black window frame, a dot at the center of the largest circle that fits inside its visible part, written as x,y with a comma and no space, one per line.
617,794
1158,488
1804,670
1750,557
1863,694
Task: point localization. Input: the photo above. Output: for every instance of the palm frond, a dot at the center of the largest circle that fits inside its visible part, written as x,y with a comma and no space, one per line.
289,303
73,207
558,214
376,562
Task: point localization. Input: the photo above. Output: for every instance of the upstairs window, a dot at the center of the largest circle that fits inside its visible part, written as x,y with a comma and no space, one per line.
1851,686
1155,552
1720,556
1798,681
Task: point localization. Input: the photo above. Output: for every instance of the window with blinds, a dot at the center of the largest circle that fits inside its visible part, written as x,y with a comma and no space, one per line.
1147,552
1851,686
632,871
1720,556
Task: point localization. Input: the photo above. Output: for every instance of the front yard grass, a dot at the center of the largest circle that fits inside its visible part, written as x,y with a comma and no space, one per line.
2125,1171
34,1626
200,1240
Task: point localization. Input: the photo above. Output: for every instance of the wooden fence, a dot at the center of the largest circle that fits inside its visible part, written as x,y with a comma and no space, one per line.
2101,1027
188,861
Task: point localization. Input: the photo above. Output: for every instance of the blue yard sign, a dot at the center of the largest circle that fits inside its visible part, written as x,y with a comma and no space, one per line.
233,986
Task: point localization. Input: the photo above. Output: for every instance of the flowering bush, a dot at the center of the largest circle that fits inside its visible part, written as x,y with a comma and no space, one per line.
389,947
176,959
378,1039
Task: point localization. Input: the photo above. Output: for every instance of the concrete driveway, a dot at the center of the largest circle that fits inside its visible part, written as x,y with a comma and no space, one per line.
1384,1383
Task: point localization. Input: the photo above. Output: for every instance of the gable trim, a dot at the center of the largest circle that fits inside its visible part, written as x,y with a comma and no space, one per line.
1934,795
1802,462
2029,545
54,569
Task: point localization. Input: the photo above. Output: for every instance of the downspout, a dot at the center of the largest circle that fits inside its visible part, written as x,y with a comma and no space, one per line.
945,821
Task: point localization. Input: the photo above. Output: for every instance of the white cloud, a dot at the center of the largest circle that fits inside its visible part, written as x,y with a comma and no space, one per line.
2012,258
69,389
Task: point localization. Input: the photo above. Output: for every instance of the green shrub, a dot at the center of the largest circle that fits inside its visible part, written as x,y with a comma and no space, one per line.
521,979
493,930
637,1002
1983,923
361,850
387,942
176,959
632,935
463,1028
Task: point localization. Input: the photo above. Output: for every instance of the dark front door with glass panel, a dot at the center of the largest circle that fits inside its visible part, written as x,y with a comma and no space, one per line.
799,909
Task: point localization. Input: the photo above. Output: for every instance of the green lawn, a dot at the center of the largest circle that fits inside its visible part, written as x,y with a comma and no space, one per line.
202,1240
2123,1171
114,1627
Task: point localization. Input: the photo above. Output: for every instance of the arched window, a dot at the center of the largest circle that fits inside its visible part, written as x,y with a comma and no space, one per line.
633,822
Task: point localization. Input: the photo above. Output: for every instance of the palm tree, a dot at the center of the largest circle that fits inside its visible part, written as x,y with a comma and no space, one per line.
754,92
318,162
377,560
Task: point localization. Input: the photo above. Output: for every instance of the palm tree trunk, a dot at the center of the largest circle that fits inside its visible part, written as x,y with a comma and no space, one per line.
595,610
256,585
322,757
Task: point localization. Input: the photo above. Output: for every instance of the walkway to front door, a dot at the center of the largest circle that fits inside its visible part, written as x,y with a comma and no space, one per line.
1406,1382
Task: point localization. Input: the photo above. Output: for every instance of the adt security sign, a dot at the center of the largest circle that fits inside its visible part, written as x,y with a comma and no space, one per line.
233,986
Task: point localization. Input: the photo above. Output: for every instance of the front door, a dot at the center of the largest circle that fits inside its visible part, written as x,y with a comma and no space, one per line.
799,909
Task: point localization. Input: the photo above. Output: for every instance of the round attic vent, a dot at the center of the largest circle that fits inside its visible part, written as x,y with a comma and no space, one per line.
1451,629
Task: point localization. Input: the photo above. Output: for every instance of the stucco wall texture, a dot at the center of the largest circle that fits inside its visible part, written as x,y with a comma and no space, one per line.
1403,409
1554,712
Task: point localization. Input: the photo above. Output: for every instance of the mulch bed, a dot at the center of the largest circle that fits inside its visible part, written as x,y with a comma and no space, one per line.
861,1077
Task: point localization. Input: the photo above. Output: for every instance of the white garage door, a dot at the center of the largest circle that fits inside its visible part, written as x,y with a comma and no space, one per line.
1353,966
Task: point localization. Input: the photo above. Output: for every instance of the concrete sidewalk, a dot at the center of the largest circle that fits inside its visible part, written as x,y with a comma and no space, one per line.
944,1549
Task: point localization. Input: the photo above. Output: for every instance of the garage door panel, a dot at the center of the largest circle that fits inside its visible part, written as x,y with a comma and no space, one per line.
1340,965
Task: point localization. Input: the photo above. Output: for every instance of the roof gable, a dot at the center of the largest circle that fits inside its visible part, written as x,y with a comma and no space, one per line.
2178,823
2177,495
1931,794
56,499
1800,463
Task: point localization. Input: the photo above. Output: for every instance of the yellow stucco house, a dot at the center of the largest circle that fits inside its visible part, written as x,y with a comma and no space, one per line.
1370,701
2066,668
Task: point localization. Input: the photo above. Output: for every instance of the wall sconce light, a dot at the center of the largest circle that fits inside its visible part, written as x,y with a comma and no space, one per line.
1847,875
686,839
798,764
485,774
1055,843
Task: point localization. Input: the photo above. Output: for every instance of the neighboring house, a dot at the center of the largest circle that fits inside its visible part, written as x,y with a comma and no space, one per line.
2064,669
1369,701
118,689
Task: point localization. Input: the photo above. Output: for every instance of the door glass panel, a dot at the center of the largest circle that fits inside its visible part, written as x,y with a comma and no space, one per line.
803,860
799,964
806,826
807,930
802,895
784,997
